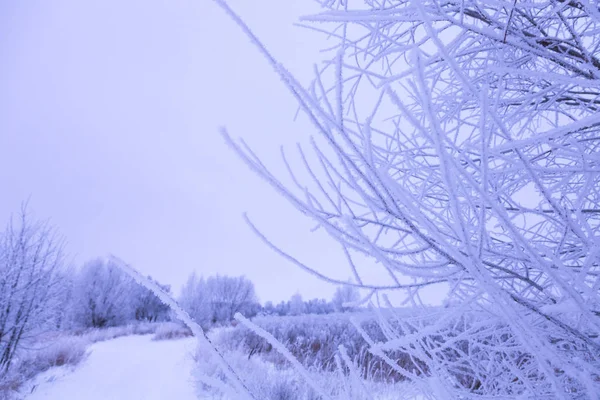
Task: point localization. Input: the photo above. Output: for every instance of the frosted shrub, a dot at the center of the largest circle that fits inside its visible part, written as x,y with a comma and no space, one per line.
314,341
67,350
171,330
56,351
264,381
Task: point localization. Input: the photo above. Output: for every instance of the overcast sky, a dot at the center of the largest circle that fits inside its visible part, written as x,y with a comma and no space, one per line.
109,116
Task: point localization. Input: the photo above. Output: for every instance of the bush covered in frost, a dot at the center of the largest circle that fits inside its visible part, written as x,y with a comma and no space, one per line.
395,346
55,351
270,382
171,330
314,340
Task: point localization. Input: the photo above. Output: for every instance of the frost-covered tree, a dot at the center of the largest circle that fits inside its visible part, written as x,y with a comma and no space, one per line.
103,295
282,308
297,306
319,306
217,299
63,303
230,295
194,299
456,148
344,297
31,259
146,306
269,308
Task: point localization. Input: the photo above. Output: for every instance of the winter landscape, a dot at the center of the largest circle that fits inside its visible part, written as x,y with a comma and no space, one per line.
331,199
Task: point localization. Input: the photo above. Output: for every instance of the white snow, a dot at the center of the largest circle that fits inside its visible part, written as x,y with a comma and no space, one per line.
127,368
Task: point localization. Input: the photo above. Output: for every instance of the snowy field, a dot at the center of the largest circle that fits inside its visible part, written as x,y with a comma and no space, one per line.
126,368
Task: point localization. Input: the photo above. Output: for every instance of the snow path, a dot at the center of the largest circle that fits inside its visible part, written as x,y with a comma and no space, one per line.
126,368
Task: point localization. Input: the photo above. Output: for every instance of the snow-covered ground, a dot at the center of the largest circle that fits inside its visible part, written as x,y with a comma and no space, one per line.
127,368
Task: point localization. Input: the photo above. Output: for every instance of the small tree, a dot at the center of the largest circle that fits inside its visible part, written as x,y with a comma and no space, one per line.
343,298
31,256
218,298
148,307
103,295
319,306
230,295
63,304
269,308
282,308
194,298
297,306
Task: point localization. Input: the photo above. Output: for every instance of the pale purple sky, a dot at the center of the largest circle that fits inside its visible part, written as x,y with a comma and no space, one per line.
108,118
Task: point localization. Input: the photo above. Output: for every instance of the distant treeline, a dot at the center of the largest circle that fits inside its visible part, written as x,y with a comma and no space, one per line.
216,299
